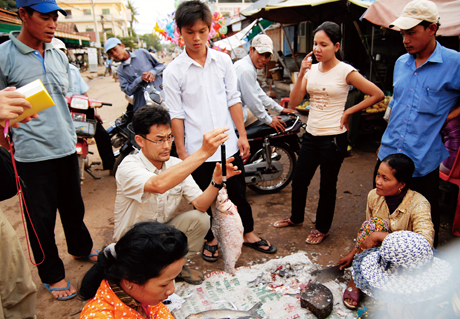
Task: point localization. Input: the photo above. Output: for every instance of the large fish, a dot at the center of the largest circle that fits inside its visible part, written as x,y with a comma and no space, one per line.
228,314
228,229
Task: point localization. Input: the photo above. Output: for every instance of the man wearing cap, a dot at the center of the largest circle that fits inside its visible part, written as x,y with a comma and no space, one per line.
136,70
426,87
253,98
44,149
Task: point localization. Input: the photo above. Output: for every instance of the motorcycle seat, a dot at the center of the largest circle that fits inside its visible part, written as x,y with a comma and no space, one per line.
259,129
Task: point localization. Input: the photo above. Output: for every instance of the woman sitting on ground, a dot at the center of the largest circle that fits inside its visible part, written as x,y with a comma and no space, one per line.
133,277
391,207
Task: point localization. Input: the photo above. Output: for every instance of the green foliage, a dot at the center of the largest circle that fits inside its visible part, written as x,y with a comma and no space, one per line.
8,5
152,41
134,14
129,42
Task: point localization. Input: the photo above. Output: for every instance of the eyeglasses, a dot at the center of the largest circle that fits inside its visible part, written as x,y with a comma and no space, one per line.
170,139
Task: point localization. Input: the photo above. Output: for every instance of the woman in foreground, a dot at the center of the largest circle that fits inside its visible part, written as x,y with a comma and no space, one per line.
133,277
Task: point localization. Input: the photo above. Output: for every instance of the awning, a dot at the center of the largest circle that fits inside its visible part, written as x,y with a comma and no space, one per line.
75,39
384,12
7,28
235,40
296,11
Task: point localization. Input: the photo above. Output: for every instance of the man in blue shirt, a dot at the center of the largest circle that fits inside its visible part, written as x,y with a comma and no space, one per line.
137,69
426,88
44,149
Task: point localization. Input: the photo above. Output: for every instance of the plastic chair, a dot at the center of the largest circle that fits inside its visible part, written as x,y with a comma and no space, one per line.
454,178
285,102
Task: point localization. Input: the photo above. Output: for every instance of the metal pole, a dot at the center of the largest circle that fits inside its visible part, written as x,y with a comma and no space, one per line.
290,48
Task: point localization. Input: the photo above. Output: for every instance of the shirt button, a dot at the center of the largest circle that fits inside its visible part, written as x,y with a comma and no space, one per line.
415,73
402,135
408,106
399,150
405,121
412,90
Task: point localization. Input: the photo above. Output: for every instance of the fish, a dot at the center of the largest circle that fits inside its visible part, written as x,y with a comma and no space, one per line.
227,227
228,313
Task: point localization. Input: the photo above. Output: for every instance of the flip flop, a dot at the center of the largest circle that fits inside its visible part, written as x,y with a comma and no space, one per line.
212,249
87,258
262,242
191,276
63,298
316,234
353,295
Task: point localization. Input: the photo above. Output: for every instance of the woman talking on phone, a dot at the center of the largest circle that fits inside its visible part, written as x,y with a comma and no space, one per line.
325,142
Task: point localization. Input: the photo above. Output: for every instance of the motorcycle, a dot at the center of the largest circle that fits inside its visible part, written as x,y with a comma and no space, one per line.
82,112
270,166
121,133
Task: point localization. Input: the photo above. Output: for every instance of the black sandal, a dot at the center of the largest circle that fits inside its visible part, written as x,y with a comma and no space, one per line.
212,249
262,242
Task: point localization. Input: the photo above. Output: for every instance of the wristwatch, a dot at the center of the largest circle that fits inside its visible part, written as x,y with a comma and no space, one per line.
219,186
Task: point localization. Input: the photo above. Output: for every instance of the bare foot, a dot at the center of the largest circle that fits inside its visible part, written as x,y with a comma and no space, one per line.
253,238
352,286
207,252
62,293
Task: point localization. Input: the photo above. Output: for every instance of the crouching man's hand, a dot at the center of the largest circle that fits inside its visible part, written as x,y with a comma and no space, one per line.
232,170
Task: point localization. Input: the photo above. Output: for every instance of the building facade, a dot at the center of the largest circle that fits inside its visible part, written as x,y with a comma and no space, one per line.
110,15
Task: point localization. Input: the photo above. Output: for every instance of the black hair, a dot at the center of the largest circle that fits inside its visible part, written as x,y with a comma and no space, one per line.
332,30
402,166
425,24
29,11
141,254
147,116
189,12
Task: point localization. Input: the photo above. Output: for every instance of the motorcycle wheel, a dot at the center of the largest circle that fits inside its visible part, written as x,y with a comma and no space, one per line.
283,154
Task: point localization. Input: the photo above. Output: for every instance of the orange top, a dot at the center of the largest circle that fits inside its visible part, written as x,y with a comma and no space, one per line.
107,305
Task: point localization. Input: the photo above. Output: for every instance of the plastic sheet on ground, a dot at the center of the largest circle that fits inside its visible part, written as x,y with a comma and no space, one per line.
279,294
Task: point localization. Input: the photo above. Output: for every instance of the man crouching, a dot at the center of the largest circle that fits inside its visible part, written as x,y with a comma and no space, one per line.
150,184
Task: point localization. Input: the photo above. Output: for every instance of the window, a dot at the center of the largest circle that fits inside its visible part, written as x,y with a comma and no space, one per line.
89,29
108,30
105,11
87,12
69,14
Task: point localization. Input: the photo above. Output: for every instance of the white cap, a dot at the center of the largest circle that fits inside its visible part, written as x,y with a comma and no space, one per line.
415,12
58,44
263,44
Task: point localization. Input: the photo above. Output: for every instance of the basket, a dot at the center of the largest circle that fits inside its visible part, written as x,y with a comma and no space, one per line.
85,129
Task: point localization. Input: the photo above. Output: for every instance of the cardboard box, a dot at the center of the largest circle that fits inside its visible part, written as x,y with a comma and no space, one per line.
270,65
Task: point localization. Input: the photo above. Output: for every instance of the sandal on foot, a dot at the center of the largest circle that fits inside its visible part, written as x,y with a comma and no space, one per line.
212,249
315,235
262,242
285,223
190,276
353,295
62,298
88,258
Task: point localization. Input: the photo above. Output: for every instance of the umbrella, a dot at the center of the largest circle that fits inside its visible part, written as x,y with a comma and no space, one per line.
384,12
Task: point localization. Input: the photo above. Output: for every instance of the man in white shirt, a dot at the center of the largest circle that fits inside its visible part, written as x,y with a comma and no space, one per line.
150,184
254,99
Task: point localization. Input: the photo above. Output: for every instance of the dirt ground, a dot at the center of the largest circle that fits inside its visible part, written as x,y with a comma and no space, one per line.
355,181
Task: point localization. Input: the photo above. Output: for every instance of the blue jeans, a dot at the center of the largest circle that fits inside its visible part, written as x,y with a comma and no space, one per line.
328,153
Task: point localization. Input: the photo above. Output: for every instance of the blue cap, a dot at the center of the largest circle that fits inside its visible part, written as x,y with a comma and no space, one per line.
111,43
42,6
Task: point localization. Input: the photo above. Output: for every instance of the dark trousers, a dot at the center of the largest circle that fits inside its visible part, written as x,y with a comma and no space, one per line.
49,186
104,147
428,186
236,188
328,153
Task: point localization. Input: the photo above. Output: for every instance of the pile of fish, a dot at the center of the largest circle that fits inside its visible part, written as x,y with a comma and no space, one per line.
228,229
228,313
